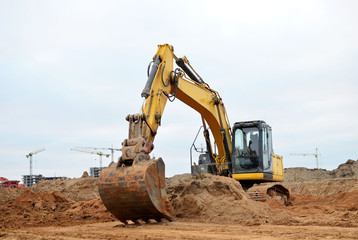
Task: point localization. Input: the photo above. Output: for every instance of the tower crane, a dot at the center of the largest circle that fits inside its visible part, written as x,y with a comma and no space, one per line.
309,154
112,149
30,156
100,154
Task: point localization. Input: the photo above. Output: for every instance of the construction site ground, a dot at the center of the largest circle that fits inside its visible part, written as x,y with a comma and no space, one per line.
210,208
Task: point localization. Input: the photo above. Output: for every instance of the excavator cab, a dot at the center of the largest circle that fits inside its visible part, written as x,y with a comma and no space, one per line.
253,159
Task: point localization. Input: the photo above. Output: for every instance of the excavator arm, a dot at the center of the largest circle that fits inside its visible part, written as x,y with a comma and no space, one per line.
134,188
191,90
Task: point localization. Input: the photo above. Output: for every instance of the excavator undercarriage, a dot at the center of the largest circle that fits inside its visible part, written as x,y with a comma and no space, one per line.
265,191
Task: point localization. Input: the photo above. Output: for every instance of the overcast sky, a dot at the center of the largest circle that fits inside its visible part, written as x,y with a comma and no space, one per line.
71,71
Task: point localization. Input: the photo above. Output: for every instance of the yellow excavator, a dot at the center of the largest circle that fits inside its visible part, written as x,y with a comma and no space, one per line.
134,187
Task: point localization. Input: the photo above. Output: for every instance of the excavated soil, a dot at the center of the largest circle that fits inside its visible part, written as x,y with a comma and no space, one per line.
50,209
210,208
9,194
339,209
300,174
324,187
77,189
216,199
213,199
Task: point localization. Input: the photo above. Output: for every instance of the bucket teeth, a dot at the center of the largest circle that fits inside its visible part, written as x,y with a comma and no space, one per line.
143,221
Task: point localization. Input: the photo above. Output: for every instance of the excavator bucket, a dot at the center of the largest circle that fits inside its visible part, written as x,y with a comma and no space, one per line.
136,192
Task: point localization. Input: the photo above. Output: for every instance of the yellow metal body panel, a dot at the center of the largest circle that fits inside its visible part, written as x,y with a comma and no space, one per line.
155,103
277,173
204,100
256,177
200,97
248,176
277,168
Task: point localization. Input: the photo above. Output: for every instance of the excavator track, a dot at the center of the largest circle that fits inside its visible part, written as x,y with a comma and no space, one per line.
263,192
136,192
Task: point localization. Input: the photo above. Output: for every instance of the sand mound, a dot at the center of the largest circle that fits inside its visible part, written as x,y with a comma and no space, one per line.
218,199
322,187
300,174
59,202
321,181
213,199
44,200
50,209
76,189
9,194
347,200
340,209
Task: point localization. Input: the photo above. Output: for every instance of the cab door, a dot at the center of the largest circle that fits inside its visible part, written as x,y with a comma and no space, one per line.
266,150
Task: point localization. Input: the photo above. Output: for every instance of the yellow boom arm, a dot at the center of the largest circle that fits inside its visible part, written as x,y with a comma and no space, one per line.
165,83
134,188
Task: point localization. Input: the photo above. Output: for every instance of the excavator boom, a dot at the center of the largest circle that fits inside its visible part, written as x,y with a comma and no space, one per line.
134,188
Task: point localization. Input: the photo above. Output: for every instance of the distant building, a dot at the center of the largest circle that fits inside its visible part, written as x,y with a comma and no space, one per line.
95,171
52,178
9,184
6,183
36,178
28,181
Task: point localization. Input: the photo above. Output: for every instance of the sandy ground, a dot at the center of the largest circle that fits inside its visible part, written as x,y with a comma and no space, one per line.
180,230
211,208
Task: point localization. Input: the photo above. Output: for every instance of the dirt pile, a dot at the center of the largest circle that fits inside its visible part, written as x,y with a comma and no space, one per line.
300,174
218,199
321,181
50,209
346,170
213,199
9,194
76,189
322,187
340,209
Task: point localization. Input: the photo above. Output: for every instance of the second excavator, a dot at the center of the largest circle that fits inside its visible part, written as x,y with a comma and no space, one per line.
134,188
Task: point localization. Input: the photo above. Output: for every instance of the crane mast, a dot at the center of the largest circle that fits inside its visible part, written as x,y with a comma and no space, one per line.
30,156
